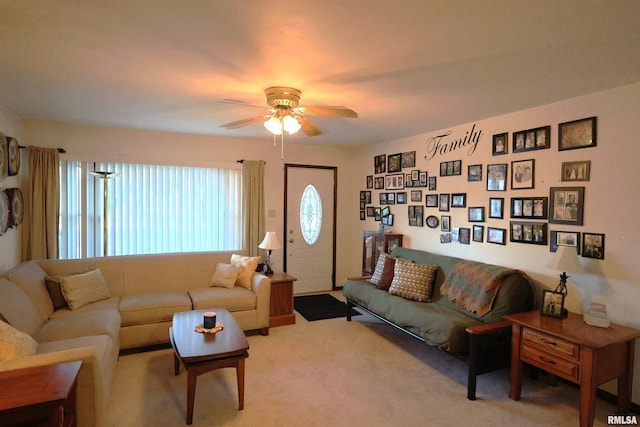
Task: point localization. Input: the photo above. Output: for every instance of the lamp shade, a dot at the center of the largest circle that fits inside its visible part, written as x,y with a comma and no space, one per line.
274,125
270,241
566,260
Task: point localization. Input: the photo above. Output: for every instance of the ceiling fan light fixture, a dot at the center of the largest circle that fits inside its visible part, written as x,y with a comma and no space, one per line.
274,125
290,124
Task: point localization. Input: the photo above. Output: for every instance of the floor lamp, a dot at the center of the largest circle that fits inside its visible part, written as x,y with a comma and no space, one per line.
105,177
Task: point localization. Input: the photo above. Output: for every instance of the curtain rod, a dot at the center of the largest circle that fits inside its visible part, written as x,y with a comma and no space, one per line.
242,161
60,150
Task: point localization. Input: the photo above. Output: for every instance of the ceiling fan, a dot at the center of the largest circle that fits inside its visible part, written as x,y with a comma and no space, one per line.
286,115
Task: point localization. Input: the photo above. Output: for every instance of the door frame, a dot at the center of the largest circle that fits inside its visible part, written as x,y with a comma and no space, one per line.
335,211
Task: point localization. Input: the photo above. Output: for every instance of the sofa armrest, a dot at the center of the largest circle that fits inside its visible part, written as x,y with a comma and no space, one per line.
91,400
261,286
489,328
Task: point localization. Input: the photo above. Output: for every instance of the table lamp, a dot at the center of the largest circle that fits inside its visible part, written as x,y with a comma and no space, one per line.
269,243
566,260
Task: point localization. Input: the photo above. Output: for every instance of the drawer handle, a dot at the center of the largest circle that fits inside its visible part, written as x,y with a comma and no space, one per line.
549,361
542,340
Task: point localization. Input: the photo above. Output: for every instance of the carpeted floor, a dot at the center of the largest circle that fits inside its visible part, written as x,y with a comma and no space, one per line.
320,306
336,373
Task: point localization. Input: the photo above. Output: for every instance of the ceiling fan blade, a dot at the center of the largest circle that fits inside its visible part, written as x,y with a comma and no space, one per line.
307,127
328,111
244,122
240,103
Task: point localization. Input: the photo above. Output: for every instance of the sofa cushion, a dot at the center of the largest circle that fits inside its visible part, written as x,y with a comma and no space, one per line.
413,281
383,274
18,309
234,299
225,275
29,276
249,265
80,324
106,304
83,289
14,343
53,284
153,307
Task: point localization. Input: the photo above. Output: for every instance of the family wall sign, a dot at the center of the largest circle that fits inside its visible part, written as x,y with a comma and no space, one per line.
441,144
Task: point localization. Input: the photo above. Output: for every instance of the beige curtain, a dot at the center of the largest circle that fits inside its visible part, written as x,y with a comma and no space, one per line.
41,235
253,205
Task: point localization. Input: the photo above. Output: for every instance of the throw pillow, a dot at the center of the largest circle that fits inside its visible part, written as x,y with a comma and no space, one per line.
377,272
53,287
83,289
413,281
14,343
225,275
383,273
248,267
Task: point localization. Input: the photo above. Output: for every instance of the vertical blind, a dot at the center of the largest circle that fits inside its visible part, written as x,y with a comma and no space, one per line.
149,209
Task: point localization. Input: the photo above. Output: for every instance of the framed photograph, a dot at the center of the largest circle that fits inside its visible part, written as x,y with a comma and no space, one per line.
531,139
415,175
362,195
451,168
443,203
497,177
391,198
394,163
459,200
431,200
369,181
432,221
422,182
445,223
455,234
377,214
401,198
416,216
552,304
577,134
529,207
385,211
387,220
445,238
474,173
567,205
408,182
593,245
362,215
394,182
576,171
528,232
380,163
500,142
564,238
362,205
496,235
432,183
378,183
464,235
371,212
496,207
409,159
478,233
367,197
383,198
476,214
522,174
416,195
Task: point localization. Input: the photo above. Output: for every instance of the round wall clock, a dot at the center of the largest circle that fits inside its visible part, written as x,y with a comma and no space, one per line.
16,207
4,212
14,156
4,157
432,221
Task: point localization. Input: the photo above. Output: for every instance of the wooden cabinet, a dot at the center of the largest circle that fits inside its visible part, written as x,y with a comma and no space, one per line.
373,244
570,349
281,303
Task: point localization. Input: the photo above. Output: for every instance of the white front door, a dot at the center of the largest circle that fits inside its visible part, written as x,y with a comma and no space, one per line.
309,227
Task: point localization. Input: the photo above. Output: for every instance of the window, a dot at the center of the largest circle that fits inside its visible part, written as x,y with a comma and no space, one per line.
310,214
149,209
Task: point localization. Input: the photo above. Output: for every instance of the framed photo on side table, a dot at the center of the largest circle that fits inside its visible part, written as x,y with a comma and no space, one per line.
552,304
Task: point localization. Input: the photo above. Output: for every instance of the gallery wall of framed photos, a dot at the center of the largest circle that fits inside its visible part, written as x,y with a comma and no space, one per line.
512,204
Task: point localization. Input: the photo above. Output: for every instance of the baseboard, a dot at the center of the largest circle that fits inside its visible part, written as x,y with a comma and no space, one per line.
612,398
126,351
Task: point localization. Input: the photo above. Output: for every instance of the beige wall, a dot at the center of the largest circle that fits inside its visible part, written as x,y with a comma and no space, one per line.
11,242
612,198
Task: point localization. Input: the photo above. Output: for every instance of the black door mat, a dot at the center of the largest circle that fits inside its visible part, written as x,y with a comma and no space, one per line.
321,306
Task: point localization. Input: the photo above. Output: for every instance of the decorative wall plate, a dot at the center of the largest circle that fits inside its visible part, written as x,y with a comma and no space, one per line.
16,207
432,221
4,212
14,156
4,156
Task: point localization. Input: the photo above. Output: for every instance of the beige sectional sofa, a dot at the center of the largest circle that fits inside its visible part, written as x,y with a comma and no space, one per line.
145,291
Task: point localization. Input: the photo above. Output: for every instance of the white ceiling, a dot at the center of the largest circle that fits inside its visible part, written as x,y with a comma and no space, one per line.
407,67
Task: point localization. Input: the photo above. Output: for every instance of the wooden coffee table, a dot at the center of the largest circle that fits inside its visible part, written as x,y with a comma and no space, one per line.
200,353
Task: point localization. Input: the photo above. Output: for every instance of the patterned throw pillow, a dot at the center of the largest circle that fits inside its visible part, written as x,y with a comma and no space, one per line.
413,281
225,275
377,272
83,289
383,273
53,287
249,265
15,344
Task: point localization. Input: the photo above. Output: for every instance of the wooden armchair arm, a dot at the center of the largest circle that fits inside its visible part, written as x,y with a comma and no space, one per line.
489,328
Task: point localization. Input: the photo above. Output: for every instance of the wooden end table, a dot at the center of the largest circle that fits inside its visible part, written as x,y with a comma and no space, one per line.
31,395
281,300
569,348
200,353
